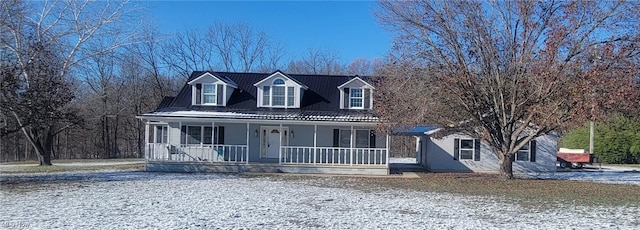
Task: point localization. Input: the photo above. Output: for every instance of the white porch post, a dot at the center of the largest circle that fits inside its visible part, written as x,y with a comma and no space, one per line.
178,144
352,144
147,146
213,149
387,147
280,149
247,153
166,146
315,142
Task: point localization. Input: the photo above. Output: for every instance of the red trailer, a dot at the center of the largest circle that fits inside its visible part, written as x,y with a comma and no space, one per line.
574,158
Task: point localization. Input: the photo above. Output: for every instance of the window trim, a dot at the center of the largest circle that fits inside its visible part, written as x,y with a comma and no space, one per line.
184,135
477,148
199,95
528,151
361,98
473,148
268,94
353,143
214,94
365,97
153,134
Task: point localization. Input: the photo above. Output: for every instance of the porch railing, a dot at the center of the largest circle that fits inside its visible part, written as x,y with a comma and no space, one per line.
210,153
333,155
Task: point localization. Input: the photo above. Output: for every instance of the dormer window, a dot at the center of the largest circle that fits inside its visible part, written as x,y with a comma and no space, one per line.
209,94
356,94
278,95
279,90
355,99
211,90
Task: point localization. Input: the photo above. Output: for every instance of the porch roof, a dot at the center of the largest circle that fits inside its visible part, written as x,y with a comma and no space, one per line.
266,115
419,130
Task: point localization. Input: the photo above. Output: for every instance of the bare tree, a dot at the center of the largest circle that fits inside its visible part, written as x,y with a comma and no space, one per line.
241,48
364,67
186,52
507,71
66,30
316,61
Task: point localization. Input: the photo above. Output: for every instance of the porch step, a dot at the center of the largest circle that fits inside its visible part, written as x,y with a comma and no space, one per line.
400,168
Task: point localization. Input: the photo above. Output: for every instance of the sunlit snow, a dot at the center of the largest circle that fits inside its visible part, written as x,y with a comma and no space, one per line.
135,200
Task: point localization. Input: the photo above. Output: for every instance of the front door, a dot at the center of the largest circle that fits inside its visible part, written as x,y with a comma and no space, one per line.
271,141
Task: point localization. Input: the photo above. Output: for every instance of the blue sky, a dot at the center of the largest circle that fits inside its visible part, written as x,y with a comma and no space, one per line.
346,27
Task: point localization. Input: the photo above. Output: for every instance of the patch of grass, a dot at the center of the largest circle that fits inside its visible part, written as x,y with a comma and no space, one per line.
533,192
55,161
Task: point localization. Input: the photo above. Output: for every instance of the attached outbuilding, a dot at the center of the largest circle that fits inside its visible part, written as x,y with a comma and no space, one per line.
464,153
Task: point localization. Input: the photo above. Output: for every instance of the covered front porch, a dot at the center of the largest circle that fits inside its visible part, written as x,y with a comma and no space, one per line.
266,146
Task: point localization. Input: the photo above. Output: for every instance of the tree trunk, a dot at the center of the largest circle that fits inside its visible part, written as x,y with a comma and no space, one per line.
44,148
45,158
506,166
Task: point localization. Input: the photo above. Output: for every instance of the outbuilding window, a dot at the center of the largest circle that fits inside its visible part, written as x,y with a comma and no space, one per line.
527,152
466,149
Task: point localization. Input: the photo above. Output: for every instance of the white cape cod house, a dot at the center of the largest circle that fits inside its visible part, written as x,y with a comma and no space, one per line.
236,122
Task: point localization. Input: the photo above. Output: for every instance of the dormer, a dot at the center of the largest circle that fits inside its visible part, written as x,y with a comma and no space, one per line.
279,90
356,94
211,90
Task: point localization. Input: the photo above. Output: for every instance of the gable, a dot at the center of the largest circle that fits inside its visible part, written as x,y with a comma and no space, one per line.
289,81
356,83
209,78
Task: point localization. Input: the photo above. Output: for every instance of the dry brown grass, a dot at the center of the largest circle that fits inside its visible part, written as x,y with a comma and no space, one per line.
65,168
525,191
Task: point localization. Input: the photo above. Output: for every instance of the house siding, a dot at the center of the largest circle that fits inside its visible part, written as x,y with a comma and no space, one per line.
439,156
236,134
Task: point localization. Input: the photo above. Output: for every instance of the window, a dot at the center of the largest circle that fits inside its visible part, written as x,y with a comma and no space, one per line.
355,98
209,94
278,94
291,96
266,95
194,135
207,135
345,138
527,152
158,134
362,138
201,135
466,149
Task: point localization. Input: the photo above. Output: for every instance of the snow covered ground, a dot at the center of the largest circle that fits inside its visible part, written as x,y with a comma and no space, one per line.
142,200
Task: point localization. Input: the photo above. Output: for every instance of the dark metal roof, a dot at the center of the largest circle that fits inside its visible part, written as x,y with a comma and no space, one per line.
321,99
414,131
166,101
